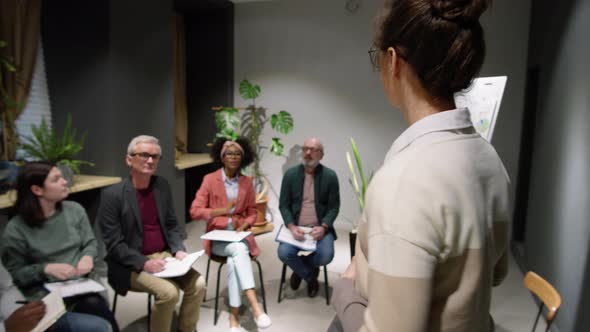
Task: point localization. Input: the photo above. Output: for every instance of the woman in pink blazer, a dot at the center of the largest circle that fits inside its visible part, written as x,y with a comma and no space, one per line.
226,200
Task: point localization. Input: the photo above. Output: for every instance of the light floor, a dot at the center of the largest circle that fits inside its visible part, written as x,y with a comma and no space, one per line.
513,308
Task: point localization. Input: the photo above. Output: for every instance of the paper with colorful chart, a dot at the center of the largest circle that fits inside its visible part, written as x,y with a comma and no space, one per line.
483,99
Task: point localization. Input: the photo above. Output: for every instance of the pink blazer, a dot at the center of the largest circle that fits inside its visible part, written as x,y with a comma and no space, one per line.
212,195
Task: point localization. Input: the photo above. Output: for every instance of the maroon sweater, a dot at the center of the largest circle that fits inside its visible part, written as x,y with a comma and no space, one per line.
153,239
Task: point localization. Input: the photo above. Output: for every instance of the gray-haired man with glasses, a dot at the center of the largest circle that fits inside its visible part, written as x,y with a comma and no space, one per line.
140,231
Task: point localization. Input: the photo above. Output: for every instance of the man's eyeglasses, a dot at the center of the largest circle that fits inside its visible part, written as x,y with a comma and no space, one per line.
146,156
233,154
310,149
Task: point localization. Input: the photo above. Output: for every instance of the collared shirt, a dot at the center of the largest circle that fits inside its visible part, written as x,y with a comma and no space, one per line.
436,126
231,190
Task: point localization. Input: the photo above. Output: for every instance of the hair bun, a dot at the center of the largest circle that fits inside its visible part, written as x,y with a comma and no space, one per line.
467,11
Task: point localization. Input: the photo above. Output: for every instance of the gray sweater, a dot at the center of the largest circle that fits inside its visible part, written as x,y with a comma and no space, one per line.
63,238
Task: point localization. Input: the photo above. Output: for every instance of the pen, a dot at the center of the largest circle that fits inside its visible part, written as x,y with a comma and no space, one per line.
21,302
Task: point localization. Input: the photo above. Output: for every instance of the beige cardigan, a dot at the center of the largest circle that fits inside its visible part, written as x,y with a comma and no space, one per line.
433,237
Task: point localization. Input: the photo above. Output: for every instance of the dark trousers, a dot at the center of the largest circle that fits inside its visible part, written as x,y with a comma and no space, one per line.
92,304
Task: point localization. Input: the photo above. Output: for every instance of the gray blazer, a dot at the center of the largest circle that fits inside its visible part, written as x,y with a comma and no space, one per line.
122,228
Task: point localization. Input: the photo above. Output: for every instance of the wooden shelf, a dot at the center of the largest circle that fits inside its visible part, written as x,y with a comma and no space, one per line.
188,160
81,183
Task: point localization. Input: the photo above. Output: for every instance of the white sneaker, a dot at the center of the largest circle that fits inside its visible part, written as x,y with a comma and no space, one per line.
263,321
236,329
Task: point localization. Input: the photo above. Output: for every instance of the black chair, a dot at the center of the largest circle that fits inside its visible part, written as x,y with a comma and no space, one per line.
222,260
326,285
149,316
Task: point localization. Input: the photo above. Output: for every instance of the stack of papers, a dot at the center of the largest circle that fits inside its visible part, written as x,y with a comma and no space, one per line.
285,236
225,235
75,287
54,309
177,268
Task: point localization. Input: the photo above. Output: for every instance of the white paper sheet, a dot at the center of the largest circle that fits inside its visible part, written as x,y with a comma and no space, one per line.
54,309
285,236
483,98
75,287
225,235
176,268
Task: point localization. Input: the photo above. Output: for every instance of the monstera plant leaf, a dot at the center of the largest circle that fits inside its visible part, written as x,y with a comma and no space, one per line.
227,120
276,146
249,90
282,122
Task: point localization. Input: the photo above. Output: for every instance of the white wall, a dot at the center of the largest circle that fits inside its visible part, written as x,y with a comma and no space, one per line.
310,58
558,231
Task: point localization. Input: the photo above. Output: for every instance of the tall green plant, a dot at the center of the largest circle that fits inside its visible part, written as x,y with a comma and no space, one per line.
358,181
45,144
7,105
251,124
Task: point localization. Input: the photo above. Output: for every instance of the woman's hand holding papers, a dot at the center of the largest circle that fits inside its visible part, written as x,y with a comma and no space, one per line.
242,227
85,265
61,271
26,317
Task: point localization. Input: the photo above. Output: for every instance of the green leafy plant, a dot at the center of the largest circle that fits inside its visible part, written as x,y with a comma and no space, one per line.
358,181
7,105
45,144
251,122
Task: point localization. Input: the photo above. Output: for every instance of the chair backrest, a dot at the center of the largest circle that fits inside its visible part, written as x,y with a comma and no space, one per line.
546,293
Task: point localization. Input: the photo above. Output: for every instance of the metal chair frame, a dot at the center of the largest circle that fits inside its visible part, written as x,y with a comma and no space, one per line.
222,261
149,307
326,285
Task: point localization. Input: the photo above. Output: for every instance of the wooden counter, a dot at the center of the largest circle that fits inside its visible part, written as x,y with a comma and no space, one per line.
188,160
81,183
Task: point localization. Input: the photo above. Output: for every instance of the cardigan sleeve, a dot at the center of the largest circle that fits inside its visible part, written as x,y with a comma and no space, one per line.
333,200
200,207
286,199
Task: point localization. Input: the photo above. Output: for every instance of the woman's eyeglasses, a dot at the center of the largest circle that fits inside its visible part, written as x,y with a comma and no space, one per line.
373,57
233,154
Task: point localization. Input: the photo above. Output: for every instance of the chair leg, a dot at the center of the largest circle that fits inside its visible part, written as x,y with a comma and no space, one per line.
538,315
207,279
115,303
326,285
215,314
262,286
282,282
149,320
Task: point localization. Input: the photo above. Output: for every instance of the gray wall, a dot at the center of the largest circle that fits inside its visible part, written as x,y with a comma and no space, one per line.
310,58
558,229
112,69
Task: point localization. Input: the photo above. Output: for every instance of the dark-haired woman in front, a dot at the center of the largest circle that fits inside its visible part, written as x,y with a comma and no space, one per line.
434,232
226,200
51,240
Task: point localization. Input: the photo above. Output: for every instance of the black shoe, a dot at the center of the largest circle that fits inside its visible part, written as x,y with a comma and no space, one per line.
313,287
295,281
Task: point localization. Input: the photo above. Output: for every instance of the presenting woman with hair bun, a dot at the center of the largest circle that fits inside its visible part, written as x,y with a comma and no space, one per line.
433,237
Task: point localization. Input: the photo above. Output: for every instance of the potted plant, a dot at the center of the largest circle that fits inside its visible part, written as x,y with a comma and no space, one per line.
359,187
250,122
45,144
